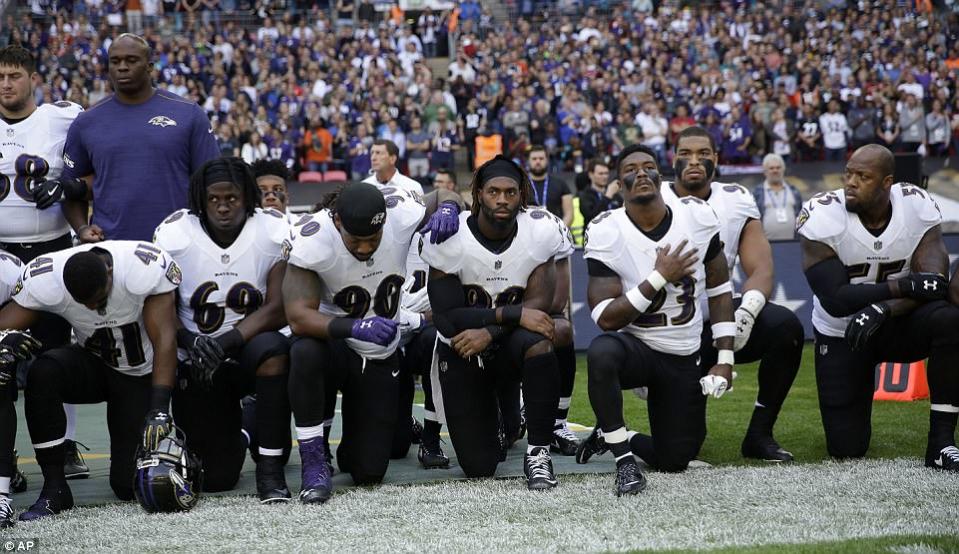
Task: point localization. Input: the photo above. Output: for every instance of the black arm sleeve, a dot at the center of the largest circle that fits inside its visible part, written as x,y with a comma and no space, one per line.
829,282
715,248
596,268
450,314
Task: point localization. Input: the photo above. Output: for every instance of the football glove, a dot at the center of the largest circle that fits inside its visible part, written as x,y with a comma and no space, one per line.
206,355
50,192
20,344
444,223
864,324
744,327
921,285
8,367
376,329
158,424
715,385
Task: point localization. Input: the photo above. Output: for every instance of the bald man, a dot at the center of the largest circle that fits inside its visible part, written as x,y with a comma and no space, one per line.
134,151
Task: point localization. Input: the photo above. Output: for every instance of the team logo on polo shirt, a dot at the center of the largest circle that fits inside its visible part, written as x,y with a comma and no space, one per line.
161,121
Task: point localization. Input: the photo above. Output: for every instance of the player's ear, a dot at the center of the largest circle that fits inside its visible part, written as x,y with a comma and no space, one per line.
887,182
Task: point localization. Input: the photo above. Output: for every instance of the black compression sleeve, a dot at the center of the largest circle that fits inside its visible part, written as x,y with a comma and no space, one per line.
450,315
715,248
830,283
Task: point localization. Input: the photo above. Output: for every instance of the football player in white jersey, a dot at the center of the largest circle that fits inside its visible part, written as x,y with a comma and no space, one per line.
341,293
31,159
649,264
874,258
383,156
765,332
119,298
10,268
231,308
491,288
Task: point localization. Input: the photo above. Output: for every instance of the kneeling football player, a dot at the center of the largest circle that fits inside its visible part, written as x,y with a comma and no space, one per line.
230,307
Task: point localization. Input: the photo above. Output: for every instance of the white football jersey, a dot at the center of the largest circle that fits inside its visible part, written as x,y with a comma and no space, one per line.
490,279
397,181
30,152
118,335
221,286
10,268
415,299
868,258
356,289
673,322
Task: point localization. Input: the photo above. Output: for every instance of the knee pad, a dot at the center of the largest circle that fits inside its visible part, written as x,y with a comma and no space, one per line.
604,355
45,368
944,323
263,347
521,341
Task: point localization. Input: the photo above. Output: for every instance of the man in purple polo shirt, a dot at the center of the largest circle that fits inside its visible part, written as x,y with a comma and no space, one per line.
135,150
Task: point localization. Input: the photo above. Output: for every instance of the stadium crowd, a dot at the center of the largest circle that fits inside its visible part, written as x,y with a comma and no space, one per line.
314,86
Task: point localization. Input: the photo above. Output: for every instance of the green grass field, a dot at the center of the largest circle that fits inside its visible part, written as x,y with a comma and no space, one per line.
887,503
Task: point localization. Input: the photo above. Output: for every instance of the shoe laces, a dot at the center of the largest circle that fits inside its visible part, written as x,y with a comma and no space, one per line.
6,510
951,453
539,465
76,451
626,473
563,431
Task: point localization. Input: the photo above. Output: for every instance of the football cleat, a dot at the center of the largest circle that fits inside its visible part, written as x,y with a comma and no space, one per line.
328,454
50,503
18,483
6,512
946,459
538,467
416,431
593,445
764,448
433,457
564,441
629,479
73,465
317,484
271,480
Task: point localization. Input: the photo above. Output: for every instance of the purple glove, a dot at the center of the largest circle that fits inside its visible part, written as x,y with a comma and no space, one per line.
444,223
378,330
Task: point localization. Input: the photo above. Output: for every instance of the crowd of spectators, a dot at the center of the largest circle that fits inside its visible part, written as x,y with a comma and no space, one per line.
314,83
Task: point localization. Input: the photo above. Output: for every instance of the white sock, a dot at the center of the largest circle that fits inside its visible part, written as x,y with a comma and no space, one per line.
559,423
5,485
307,433
272,451
70,410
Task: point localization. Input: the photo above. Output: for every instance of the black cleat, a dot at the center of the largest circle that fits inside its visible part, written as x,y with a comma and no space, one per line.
433,457
593,445
73,465
538,467
764,448
6,512
271,480
416,431
18,483
50,503
947,459
564,441
629,479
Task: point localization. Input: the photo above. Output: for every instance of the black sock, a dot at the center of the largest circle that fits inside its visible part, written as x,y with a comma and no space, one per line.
642,446
8,434
272,412
50,460
942,429
431,432
566,359
621,452
540,394
762,421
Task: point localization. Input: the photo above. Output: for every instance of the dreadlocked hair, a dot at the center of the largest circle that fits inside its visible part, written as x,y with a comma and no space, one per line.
525,185
329,201
237,171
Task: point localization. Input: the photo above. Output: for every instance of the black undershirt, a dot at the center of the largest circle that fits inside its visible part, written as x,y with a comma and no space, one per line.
11,121
495,246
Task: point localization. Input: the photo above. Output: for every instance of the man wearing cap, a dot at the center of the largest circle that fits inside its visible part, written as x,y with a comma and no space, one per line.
491,289
341,292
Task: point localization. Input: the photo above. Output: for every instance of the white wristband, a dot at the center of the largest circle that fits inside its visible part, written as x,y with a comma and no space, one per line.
719,289
726,357
598,310
753,302
638,300
656,279
723,329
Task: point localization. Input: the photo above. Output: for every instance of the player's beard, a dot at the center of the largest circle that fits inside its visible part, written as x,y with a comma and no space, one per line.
17,106
496,223
709,168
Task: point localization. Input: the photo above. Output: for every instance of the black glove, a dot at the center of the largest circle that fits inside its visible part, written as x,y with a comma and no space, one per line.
158,424
231,342
864,324
8,367
20,344
206,355
921,285
50,192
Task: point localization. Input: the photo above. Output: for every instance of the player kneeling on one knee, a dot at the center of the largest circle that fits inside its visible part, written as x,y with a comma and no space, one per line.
230,309
491,288
650,262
